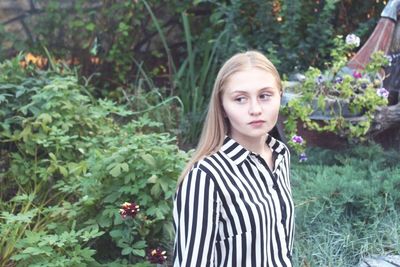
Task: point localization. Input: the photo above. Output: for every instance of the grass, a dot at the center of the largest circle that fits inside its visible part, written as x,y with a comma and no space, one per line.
347,205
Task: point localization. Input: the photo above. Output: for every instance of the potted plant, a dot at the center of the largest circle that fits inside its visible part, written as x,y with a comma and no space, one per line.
338,100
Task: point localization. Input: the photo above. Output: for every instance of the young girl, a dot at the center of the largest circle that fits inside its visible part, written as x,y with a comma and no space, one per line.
233,205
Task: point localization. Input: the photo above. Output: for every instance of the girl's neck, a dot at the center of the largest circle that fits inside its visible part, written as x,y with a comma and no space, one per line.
255,145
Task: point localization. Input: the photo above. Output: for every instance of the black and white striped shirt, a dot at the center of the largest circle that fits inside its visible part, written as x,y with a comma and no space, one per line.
231,210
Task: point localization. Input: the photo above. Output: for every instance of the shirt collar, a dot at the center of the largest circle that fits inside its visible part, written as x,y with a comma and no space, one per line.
237,153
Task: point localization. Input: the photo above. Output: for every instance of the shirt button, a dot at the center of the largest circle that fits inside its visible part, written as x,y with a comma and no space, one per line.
275,187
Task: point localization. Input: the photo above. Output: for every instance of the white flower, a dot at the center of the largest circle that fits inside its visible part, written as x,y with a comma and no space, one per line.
352,39
382,92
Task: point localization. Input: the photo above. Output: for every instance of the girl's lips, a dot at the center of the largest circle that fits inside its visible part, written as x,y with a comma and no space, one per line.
257,123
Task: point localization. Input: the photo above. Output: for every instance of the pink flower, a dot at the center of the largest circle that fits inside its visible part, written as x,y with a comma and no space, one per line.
382,92
129,210
157,256
357,75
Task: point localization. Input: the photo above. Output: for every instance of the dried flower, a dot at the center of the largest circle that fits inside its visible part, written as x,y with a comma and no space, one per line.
357,75
157,256
352,39
129,210
382,92
303,157
297,139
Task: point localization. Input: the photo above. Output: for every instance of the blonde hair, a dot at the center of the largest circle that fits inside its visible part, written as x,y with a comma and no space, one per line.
215,125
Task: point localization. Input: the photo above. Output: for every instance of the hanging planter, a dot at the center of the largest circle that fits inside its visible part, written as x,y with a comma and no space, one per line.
334,108
339,100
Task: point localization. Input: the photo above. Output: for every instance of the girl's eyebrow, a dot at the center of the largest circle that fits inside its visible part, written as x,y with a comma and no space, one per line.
267,88
261,89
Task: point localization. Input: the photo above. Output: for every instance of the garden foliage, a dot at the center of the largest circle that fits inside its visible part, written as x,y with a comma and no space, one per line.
347,206
68,164
180,44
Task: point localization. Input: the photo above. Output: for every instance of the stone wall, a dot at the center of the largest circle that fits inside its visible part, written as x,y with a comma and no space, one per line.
12,15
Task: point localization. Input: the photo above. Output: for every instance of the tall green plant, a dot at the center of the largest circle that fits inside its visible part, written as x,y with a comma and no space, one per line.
193,78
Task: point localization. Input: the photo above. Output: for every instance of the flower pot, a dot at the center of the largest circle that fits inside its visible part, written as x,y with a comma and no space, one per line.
333,109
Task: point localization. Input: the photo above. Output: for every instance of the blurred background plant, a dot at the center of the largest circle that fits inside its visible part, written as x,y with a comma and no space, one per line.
155,43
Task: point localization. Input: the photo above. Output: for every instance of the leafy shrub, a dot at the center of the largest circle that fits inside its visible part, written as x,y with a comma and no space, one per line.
68,166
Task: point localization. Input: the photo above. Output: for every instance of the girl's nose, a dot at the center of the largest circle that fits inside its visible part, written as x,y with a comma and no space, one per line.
255,108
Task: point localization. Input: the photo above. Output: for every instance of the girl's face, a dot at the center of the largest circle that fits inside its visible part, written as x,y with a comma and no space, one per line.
251,102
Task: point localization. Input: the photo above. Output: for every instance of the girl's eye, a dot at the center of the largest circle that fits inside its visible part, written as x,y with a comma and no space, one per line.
265,96
240,99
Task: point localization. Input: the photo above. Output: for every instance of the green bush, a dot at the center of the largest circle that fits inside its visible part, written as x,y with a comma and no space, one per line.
347,205
68,163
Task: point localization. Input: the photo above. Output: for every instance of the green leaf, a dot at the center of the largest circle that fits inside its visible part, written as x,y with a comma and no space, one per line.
90,26
118,168
124,167
116,171
104,221
63,171
37,250
116,233
155,190
149,159
87,254
46,118
139,244
26,133
139,252
52,156
153,179
127,251
111,198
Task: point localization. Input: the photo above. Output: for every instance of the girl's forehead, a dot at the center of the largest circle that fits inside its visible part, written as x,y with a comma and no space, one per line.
250,79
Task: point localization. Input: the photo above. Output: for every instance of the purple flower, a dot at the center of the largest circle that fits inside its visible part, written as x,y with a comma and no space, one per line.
157,256
338,79
303,157
297,139
364,86
129,210
357,75
320,79
382,92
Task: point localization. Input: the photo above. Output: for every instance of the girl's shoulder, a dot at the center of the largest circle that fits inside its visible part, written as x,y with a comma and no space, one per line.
205,163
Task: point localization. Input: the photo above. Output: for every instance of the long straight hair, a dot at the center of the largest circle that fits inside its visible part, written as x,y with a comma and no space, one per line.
216,126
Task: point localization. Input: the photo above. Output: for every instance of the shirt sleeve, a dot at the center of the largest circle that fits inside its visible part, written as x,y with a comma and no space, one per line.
196,215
